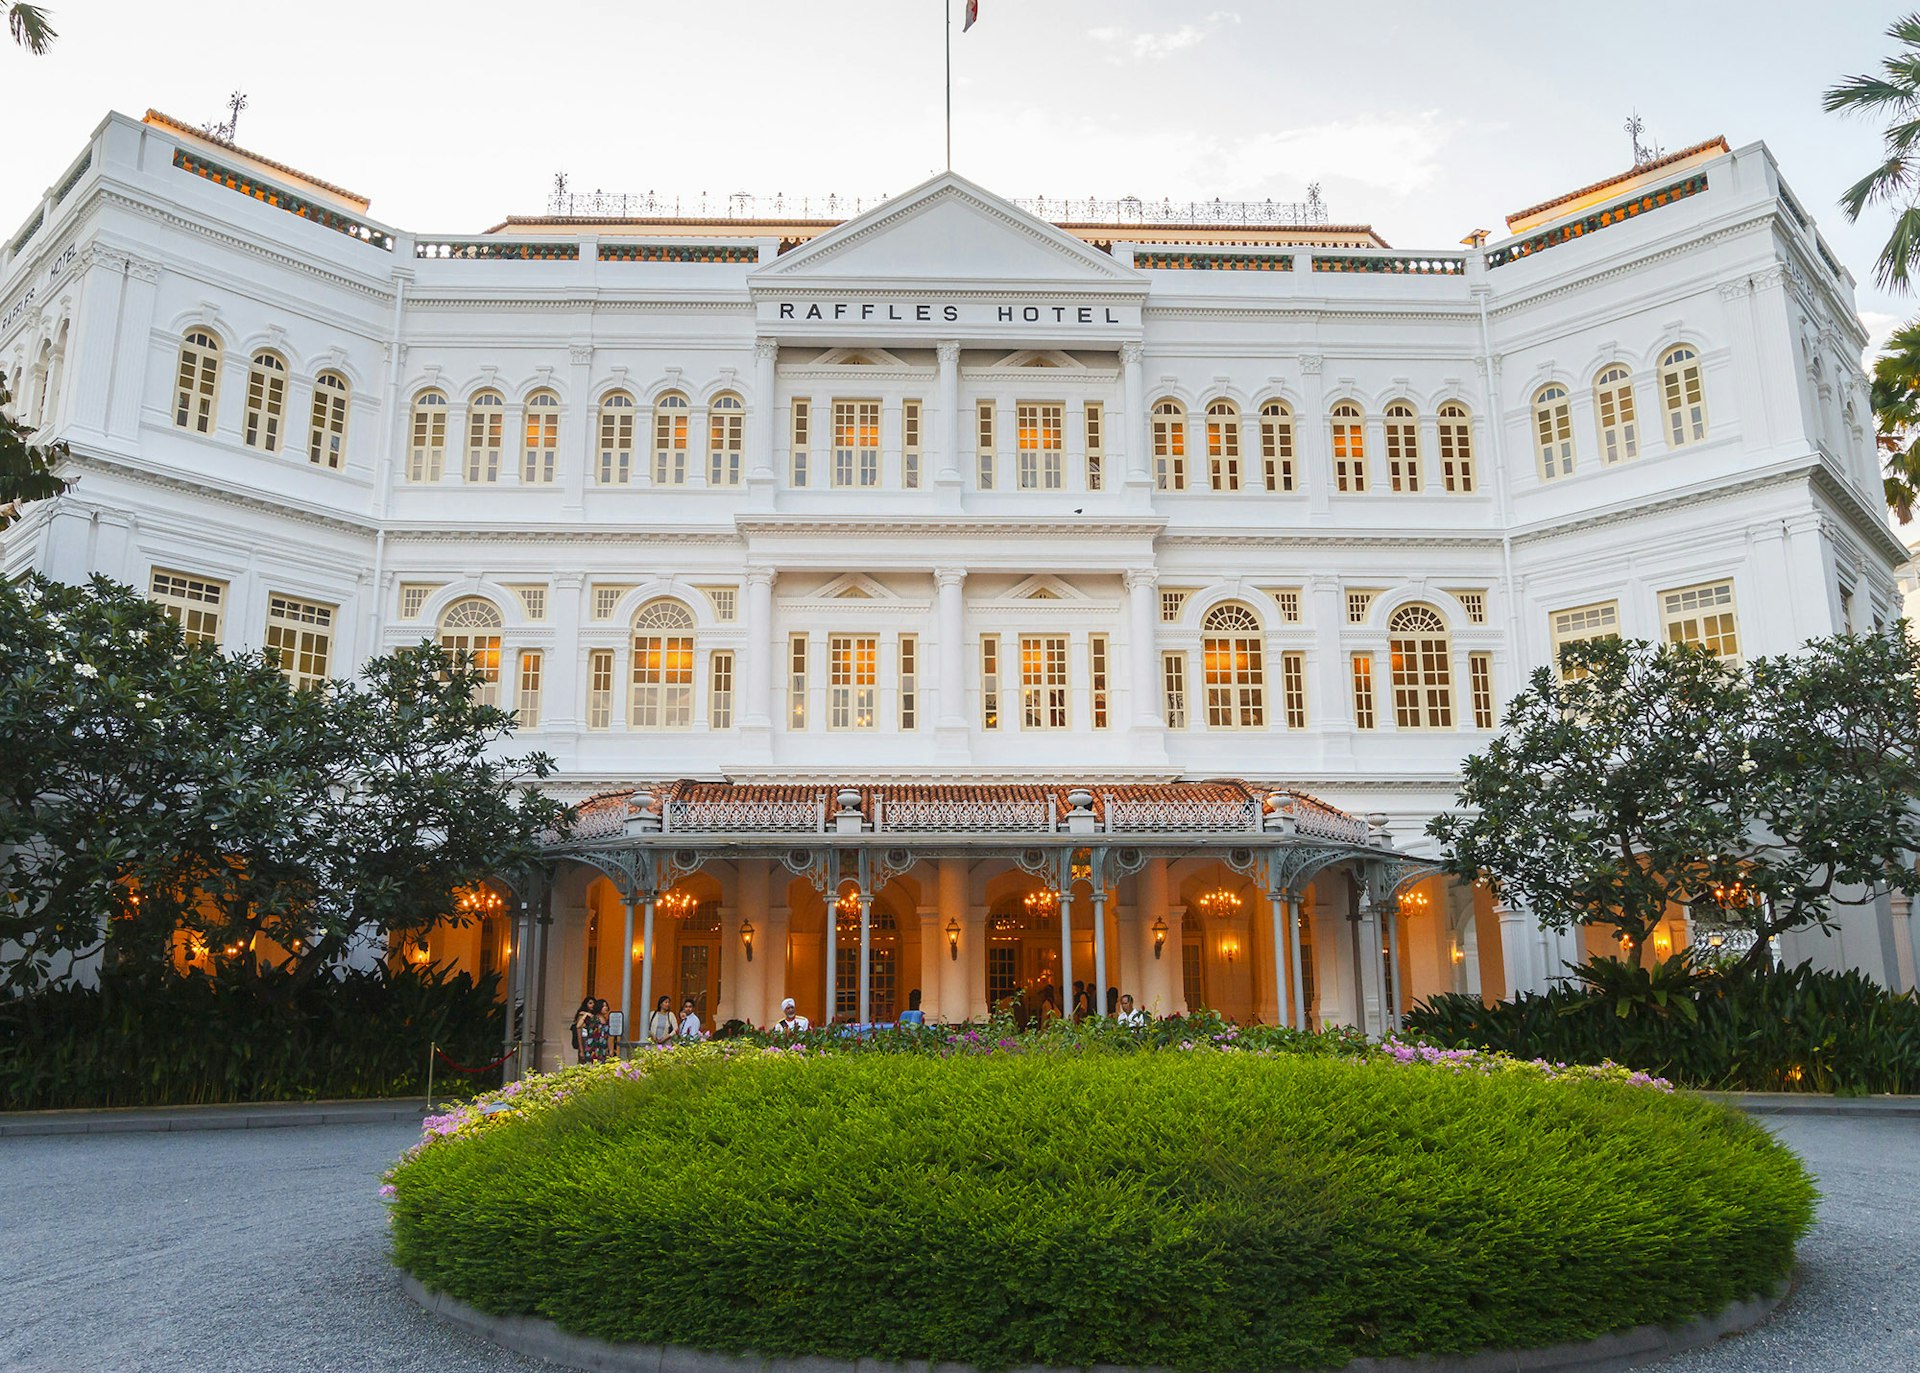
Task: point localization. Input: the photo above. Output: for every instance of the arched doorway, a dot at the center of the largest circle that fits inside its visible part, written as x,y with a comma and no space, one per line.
1023,948
886,996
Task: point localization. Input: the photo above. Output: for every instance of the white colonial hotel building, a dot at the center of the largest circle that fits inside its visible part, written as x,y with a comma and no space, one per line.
923,566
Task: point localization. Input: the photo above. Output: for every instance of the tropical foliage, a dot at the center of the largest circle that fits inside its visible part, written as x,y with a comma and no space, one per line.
1649,777
1191,1210
1741,1029
30,27
1896,417
1891,94
26,469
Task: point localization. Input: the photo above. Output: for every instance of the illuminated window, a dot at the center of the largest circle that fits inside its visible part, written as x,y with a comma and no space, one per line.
472,627
662,667
797,681
1349,448
1685,400
853,663
327,433
802,414
1172,604
1233,662
1613,407
1043,682
671,416
856,443
1223,445
1456,448
990,681
266,403
486,434
909,682
1553,432
1598,621
299,639
1287,598
1038,428
1421,656
527,706
616,438
1097,662
540,455
1359,606
1173,682
413,598
1276,445
726,439
1363,691
198,384
984,441
1703,617
1403,447
1293,686
427,454
1169,446
1096,445
720,691
193,603
910,445
1480,681
599,688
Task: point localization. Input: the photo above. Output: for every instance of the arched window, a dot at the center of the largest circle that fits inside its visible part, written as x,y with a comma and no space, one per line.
327,433
198,384
486,435
616,438
1422,668
1349,447
1685,399
427,454
1553,432
726,439
540,456
670,418
1223,444
266,402
1403,447
1613,407
1169,445
1456,447
472,626
1276,445
662,666
1233,656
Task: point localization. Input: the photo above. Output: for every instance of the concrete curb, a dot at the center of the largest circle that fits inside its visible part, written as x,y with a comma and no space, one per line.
1609,1354
1817,1104
258,1115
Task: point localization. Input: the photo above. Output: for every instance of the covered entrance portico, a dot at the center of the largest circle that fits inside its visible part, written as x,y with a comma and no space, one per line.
1263,904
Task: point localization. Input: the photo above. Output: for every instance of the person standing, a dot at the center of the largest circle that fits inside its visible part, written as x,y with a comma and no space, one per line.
791,1022
913,1015
593,1034
661,1026
1130,1015
689,1020
576,1033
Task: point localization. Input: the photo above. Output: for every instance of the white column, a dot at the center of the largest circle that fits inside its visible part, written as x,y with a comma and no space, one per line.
1156,992
1131,431
1296,968
760,418
832,959
1277,915
951,654
579,435
933,961
1100,948
749,1000
954,1001
866,956
633,1023
126,387
757,671
945,433
1516,950
1149,725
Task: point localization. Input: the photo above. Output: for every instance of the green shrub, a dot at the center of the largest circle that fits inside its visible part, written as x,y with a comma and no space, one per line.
1202,1210
155,1041
1790,1029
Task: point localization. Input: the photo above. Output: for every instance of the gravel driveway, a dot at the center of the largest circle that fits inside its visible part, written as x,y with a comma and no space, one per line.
240,1250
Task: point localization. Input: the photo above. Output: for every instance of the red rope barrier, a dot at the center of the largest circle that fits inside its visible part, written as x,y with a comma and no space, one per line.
463,1068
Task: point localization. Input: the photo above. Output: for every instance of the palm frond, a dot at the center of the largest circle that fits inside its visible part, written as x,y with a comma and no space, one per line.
1903,248
1906,29
1865,94
1889,181
30,29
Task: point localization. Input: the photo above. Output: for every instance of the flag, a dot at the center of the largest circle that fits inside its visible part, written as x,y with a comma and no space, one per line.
973,13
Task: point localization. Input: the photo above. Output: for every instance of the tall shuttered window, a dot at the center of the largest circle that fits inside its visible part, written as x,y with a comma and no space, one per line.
193,603
797,681
1684,395
527,704
1613,410
266,403
1169,446
720,691
909,682
726,439
617,412
1223,445
983,442
853,675
300,640
471,627
540,446
427,454
1096,418
1553,432
856,443
486,435
672,418
910,445
197,388
1349,447
1363,691
1456,448
1173,681
1098,664
1480,684
1402,429
327,431
1276,446
662,667
801,432
1039,455
1233,660
599,688
1293,687
990,681
1043,682
1422,660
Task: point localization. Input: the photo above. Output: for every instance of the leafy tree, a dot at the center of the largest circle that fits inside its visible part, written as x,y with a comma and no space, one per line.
1896,416
159,794
26,471
1893,94
1655,776
29,27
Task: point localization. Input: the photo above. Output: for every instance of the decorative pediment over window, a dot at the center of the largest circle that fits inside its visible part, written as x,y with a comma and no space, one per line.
1045,588
857,357
853,586
1041,357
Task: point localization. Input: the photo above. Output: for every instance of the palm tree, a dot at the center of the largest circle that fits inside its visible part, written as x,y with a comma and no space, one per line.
1895,95
29,27
1896,418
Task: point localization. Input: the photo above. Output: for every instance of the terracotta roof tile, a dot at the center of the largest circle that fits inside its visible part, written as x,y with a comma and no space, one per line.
1717,143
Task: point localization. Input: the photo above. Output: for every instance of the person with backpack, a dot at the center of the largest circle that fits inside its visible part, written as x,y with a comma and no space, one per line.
574,1032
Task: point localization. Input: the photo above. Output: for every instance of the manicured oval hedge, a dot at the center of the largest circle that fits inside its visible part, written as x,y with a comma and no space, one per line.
1189,1211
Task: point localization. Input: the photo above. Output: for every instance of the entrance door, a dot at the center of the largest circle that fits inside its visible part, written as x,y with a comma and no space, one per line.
696,964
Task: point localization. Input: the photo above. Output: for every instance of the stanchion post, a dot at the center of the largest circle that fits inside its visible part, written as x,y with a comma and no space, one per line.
430,1050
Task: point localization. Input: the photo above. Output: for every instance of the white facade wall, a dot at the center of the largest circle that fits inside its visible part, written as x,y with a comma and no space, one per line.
1780,496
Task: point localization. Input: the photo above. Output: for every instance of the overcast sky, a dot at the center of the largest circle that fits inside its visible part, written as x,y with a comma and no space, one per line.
1425,120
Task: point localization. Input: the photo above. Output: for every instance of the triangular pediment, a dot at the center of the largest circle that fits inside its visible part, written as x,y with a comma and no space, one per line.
1041,358
853,586
857,357
1045,588
950,230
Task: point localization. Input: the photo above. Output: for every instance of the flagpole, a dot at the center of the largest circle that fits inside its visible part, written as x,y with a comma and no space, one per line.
948,6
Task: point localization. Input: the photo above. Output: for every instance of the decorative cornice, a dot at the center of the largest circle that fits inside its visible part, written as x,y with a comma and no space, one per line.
305,266
136,471
1088,526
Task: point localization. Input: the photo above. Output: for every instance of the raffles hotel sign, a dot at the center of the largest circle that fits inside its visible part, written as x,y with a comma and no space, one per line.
947,316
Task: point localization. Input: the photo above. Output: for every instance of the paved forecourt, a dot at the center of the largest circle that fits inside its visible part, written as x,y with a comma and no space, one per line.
265,1249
